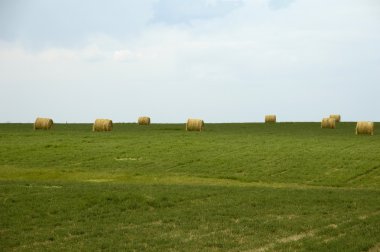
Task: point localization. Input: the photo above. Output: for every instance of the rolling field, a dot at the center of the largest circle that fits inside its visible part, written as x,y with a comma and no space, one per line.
233,187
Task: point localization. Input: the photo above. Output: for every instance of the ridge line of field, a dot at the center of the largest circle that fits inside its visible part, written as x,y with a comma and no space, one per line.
201,181
54,176
311,233
363,174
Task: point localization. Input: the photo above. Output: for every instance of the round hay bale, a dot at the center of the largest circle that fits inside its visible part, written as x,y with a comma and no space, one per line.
102,125
143,120
328,123
43,123
365,128
195,125
336,117
270,118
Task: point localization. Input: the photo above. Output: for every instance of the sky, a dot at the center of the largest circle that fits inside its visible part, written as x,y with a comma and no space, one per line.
219,60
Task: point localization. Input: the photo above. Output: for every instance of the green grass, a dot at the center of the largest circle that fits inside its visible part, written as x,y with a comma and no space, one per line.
233,187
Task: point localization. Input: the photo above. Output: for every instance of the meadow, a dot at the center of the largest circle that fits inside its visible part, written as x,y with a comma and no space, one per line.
233,187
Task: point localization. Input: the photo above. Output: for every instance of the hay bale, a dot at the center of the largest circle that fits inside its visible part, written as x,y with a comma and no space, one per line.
328,123
336,117
270,118
365,128
102,125
143,120
43,123
195,125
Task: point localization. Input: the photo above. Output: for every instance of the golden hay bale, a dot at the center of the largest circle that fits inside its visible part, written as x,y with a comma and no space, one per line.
328,123
43,123
195,125
270,118
102,125
143,120
365,128
336,117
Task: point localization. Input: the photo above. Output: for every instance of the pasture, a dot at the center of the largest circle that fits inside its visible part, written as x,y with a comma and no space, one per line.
233,187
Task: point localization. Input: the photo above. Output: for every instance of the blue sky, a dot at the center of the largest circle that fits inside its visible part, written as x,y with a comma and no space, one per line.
220,60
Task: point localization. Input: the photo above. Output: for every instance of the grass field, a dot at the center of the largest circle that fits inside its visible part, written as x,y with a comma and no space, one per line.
233,187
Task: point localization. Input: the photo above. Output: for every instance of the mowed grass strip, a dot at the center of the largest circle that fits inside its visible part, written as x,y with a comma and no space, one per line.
92,216
235,187
300,153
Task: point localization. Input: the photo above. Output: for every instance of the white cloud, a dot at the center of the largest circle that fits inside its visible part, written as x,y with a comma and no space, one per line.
123,55
302,62
93,53
58,54
44,23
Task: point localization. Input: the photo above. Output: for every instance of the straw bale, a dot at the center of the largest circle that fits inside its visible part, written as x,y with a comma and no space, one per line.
270,118
195,125
102,125
336,117
365,128
143,120
43,123
328,123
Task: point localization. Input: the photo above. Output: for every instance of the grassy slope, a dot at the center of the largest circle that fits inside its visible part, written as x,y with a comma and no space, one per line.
235,187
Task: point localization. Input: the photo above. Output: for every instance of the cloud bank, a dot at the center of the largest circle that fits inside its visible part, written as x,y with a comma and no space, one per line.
219,60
